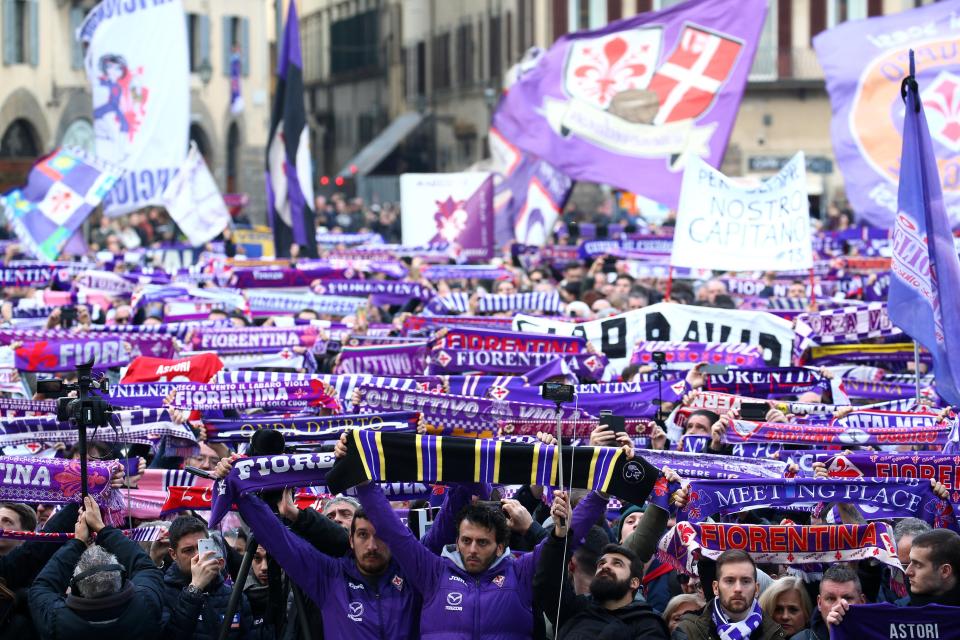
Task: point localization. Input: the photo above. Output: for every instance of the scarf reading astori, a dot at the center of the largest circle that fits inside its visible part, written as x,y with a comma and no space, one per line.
390,457
458,415
312,428
683,545
890,622
877,498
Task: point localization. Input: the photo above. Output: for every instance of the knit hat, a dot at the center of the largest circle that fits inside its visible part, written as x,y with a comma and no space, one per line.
623,516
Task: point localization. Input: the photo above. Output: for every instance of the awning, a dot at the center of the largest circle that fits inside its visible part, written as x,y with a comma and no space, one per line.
381,146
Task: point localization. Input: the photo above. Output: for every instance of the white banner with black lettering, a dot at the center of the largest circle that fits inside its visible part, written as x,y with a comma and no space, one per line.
722,225
616,336
136,62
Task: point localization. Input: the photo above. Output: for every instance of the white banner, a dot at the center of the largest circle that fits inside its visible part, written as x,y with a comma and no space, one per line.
722,225
194,201
136,62
444,207
616,336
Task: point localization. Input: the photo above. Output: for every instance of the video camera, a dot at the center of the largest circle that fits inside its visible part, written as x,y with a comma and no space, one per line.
86,410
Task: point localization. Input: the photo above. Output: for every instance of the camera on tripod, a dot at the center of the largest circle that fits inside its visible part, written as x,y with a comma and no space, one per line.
86,410
556,392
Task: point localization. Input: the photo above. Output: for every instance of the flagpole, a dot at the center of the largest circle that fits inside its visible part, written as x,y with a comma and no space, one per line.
916,368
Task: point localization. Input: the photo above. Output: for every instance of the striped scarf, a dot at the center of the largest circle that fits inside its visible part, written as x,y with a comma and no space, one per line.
391,457
529,301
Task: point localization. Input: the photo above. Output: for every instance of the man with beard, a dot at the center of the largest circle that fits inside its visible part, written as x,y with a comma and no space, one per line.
610,610
734,613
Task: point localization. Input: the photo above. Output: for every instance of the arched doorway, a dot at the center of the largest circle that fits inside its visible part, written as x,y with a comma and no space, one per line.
198,135
233,158
19,148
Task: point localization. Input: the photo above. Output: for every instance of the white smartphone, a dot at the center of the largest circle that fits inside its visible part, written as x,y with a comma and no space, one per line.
209,544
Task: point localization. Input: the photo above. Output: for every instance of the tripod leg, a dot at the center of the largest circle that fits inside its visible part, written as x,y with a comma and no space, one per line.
242,574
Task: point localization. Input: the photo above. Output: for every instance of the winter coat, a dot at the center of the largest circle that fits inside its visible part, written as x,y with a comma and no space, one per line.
199,617
702,628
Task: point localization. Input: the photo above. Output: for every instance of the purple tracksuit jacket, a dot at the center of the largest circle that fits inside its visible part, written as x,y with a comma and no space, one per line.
495,605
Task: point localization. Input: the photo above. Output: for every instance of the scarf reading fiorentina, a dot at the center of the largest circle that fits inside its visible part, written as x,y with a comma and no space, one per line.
390,457
253,340
491,340
55,351
458,415
889,622
297,394
312,428
384,360
588,366
687,354
943,467
762,382
26,275
683,545
877,498
149,395
383,291
56,481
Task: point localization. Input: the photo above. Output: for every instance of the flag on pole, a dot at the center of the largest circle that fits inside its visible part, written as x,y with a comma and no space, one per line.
62,189
289,169
195,202
236,70
925,270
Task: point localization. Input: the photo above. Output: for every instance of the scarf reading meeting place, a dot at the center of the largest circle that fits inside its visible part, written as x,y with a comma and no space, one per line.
57,481
877,498
308,428
736,630
788,544
145,426
390,457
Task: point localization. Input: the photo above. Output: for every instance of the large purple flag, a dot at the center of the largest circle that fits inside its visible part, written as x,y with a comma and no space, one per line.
628,104
289,169
864,62
528,198
62,190
924,288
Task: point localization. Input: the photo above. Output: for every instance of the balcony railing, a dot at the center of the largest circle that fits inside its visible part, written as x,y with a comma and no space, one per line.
772,64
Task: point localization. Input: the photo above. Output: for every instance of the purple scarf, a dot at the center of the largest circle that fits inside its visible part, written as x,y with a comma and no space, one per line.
878,498
687,354
20,407
55,481
392,360
294,394
911,464
588,366
253,340
743,431
490,340
383,291
26,276
760,382
437,272
312,428
716,467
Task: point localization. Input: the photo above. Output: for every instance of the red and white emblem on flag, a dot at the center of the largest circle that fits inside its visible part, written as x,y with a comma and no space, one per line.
443,358
60,203
498,392
600,68
689,80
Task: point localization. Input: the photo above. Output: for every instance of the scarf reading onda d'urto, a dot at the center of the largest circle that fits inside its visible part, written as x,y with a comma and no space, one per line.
392,457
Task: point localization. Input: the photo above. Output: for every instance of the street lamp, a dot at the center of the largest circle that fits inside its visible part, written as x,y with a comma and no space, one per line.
206,72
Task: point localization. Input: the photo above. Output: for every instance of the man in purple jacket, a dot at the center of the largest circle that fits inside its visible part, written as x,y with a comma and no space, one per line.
476,588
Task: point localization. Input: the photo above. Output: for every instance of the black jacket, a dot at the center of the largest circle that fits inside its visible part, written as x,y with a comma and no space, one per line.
18,569
701,627
133,613
580,617
199,617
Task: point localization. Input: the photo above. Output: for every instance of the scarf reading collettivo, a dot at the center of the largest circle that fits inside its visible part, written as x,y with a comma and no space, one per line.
790,544
391,457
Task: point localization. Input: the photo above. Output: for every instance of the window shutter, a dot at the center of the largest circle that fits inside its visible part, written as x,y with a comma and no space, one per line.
76,51
245,45
227,35
614,10
204,40
9,32
818,17
874,8
34,25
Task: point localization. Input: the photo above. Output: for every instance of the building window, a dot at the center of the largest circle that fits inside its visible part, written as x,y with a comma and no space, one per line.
765,62
496,50
465,55
586,14
198,40
840,11
20,32
236,37
441,61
